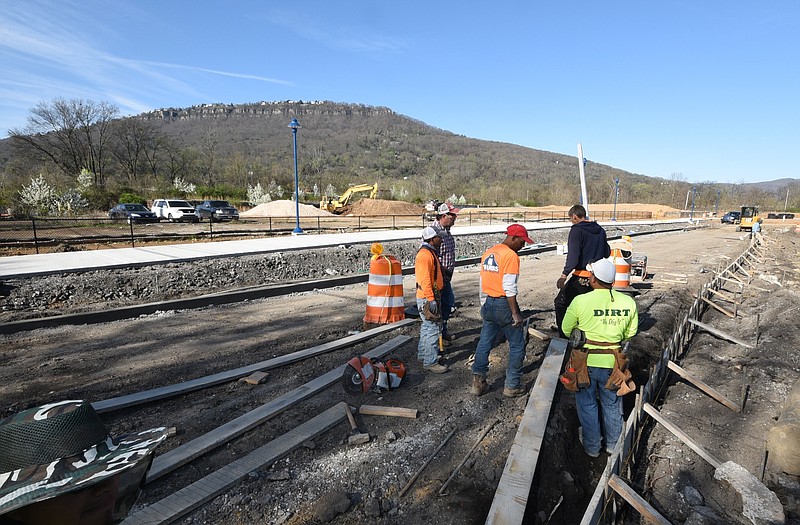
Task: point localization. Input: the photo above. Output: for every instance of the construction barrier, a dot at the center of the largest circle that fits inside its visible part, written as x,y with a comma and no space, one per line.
623,276
385,289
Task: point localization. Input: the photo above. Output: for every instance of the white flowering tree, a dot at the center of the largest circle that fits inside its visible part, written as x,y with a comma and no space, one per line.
38,196
85,180
71,202
275,190
183,186
256,195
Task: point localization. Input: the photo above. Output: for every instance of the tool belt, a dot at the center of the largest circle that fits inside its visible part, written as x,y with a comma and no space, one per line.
576,374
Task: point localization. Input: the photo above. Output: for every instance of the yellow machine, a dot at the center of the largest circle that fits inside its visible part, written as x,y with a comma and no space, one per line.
338,204
748,218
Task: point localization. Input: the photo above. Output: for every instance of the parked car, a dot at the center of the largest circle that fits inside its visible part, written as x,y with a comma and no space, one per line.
732,217
134,213
174,210
216,211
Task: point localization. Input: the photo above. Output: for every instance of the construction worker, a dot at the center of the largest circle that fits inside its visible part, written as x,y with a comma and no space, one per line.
607,318
500,311
587,242
755,233
430,281
446,216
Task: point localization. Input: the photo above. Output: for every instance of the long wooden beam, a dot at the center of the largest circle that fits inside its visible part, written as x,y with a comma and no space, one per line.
187,499
164,392
181,455
647,511
720,333
688,376
511,496
680,434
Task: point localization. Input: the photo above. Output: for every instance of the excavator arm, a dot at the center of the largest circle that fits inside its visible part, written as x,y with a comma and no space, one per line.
338,204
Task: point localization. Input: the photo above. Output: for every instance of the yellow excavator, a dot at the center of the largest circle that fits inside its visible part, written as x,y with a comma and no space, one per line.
338,204
747,218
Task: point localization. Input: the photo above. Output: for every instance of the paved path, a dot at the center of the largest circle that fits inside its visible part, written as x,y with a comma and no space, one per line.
50,263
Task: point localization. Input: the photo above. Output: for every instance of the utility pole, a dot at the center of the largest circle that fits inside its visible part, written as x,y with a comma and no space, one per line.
786,202
581,164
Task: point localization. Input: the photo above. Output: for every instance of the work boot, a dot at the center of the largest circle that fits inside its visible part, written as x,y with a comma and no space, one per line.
479,386
436,368
513,392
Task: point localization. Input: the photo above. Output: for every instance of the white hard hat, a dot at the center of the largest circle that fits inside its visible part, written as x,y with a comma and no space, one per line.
603,270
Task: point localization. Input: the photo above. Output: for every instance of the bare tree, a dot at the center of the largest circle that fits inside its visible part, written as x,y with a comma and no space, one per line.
73,134
134,142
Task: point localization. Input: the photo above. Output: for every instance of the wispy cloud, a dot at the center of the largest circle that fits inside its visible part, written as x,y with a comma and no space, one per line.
47,53
339,36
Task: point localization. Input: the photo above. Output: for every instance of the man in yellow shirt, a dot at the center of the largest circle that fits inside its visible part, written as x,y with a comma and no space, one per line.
428,273
500,311
607,318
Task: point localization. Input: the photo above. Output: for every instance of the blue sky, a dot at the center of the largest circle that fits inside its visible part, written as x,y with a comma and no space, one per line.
705,89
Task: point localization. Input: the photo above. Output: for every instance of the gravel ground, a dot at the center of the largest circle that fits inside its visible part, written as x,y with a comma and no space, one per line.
326,480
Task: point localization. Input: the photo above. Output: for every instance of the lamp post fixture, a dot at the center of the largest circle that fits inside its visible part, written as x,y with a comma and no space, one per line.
616,196
297,229
716,204
694,192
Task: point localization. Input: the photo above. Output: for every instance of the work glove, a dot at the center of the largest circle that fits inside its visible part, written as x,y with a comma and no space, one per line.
433,306
561,282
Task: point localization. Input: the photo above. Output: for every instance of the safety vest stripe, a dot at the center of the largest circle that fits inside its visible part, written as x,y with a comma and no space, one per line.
384,302
385,280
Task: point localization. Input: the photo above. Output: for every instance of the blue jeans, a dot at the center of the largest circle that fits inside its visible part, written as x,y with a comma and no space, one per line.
589,416
448,302
496,316
428,347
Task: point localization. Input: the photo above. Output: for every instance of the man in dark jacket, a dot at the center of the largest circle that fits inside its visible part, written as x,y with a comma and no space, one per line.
586,244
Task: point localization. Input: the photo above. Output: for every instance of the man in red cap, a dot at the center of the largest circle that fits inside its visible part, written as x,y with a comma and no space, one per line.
500,311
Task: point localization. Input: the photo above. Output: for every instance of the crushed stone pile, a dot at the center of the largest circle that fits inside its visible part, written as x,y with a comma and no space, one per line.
283,208
370,207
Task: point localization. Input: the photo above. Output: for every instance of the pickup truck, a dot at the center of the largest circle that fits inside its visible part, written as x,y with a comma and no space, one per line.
173,210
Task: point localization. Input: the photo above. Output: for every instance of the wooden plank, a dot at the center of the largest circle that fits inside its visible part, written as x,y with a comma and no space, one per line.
724,295
177,505
718,307
537,334
181,455
720,333
164,392
374,410
511,496
680,434
647,511
702,386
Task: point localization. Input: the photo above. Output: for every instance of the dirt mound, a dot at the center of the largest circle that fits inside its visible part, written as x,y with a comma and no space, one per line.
368,207
283,208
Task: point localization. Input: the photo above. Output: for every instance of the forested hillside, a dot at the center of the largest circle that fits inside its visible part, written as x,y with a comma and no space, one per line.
221,150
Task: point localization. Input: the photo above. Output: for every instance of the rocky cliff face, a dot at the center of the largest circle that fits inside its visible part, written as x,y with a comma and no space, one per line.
287,108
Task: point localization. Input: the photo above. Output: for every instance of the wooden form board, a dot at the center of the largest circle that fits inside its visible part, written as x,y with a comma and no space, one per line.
636,501
680,434
719,333
165,463
688,376
164,392
176,505
511,497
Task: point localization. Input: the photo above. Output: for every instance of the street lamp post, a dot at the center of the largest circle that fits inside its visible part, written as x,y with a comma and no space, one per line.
694,192
616,196
297,229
